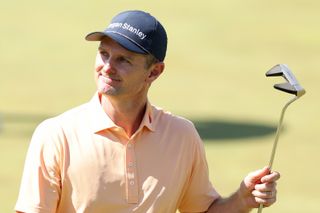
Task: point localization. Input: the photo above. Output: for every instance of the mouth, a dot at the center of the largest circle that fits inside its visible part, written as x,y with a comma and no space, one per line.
108,79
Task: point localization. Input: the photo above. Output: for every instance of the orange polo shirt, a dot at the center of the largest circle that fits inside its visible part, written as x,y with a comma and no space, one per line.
80,161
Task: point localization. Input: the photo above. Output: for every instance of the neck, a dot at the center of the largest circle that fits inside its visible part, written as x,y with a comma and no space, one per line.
127,114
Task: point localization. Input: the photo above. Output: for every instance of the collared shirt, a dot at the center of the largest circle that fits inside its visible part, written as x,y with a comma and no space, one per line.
80,161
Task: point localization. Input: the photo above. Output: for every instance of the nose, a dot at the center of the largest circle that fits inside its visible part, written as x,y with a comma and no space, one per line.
104,65
107,68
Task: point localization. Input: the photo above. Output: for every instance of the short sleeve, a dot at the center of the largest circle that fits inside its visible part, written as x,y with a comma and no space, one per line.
199,193
40,184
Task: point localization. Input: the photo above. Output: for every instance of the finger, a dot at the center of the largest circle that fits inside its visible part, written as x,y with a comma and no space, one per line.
254,177
264,187
265,202
273,176
264,194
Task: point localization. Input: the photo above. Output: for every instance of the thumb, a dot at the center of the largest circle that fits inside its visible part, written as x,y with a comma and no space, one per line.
254,177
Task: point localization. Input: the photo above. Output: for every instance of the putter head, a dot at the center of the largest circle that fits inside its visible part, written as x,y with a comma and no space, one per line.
292,85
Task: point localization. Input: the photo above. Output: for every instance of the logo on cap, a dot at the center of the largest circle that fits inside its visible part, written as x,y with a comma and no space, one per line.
136,31
128,27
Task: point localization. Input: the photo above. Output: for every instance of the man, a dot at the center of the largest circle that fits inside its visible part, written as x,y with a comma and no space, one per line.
118,153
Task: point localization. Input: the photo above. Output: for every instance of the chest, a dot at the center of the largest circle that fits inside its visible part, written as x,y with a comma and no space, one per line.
114,174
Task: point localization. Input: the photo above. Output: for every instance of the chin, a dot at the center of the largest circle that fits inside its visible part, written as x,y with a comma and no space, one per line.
110,91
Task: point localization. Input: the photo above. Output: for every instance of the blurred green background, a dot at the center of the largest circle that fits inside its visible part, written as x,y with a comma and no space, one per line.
217,56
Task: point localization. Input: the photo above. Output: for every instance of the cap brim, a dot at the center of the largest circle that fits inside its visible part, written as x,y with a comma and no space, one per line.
120,39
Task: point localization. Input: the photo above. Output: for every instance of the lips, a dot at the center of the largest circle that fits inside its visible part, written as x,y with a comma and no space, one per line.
108,79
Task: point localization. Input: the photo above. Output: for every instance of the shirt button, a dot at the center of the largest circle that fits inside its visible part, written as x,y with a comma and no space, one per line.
129,145
130,164
131,183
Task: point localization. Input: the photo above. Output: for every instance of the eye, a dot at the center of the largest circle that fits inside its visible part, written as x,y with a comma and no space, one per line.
104,54
124,60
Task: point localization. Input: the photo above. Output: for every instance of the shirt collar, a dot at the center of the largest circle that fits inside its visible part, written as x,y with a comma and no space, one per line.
148,118
101,121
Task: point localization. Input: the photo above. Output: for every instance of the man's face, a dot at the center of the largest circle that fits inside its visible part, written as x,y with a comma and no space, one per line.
119,72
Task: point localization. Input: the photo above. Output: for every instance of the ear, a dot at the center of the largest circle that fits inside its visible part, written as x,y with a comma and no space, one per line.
155,71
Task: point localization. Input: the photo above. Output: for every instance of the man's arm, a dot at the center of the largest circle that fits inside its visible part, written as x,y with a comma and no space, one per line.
258,187
40,183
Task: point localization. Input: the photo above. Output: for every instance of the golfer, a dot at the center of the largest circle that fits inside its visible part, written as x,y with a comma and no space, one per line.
118,152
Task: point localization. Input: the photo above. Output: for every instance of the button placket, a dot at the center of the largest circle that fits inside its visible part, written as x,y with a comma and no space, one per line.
131,174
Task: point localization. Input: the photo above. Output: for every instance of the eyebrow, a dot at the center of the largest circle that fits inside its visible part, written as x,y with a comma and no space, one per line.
128,56
100,48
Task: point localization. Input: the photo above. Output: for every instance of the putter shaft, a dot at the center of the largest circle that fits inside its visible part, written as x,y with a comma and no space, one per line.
275,143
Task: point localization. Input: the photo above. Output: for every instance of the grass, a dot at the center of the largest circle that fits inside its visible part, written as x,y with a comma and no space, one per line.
217,55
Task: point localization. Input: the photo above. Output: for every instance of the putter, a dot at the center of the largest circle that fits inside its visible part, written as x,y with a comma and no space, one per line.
292,86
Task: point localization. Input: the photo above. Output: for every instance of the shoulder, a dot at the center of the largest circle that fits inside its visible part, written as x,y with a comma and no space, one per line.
54,127
167,116
176,123
71,118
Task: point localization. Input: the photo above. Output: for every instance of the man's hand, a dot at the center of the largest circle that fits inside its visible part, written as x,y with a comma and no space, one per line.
259,187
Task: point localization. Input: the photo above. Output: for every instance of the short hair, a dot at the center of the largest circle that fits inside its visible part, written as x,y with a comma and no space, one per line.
150,60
